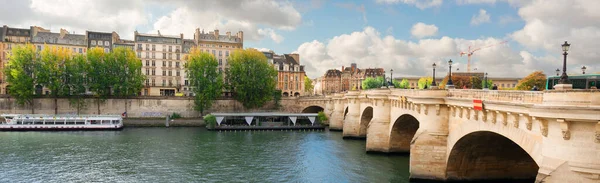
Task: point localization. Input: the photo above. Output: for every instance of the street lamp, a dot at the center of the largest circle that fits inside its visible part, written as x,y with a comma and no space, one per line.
557,71
433,82
392,77
564,79
449,84
485,86
583,69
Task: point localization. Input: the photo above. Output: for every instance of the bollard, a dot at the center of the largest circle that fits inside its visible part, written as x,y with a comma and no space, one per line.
167,121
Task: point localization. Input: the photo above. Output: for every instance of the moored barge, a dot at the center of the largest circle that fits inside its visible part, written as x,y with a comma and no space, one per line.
41,122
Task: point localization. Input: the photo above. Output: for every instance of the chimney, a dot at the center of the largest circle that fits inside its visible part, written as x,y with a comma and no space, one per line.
240,35
296,57
159,33
228,35
216,33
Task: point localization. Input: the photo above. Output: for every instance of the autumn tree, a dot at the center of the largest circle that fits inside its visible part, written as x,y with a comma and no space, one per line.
206,82
251,77
424,82
536,78
20,74
459,82
308,85
404,84
51,72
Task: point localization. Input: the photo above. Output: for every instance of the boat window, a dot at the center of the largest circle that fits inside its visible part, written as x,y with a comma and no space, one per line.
49,122
94,122
9,117
39,122
115,121
19,122
80,123
59,123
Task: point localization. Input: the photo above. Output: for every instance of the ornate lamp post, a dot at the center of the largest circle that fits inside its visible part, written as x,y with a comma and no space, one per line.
564,79
485,86
557,71
433,82
392,77
449,84
583,69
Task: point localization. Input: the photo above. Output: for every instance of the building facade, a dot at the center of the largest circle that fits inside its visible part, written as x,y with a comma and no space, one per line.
290,74
346,79
162,63
220,46
10,38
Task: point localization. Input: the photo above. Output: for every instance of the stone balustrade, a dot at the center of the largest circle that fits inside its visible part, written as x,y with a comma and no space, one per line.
527,97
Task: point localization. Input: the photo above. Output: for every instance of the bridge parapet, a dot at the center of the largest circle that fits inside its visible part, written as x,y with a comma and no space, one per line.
527,97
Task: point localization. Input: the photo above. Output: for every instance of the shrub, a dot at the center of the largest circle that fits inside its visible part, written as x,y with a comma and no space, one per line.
322,117
210,121
175,116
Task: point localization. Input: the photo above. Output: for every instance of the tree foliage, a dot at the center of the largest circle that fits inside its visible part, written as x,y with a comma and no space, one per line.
52,73
205,80
322,117
251,77
126,72
404,84
536,78
20,72
371,82
459,82
77,80
424,82
308,85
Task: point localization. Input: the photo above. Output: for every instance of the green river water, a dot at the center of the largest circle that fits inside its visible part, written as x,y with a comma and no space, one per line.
192,155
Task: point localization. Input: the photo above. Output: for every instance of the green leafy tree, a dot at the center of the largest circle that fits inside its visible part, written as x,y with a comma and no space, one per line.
252,78
424,82
277,98
404,84
459,82
489,83
371,82
322,117
20,72
308,85
99,75
205,80
77,81
52,72
210,121
537,78
396,83
126,70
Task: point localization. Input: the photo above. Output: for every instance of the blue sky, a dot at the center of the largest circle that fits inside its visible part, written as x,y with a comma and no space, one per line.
404,35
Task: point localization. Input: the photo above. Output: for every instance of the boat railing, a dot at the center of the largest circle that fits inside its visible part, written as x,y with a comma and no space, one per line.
62,116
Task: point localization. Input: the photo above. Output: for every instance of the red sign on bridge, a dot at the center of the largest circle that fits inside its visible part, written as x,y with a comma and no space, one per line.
478,105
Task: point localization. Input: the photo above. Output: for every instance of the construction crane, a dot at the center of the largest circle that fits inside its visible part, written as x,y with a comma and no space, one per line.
470,52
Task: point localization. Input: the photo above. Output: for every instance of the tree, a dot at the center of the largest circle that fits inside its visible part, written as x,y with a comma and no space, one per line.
99,77
206,82
252,78
308,85
128,69
476,82
77,80
396,83
371,82
404,84
424,82
458,81
536,78
20,72
489,83
51,72
322,117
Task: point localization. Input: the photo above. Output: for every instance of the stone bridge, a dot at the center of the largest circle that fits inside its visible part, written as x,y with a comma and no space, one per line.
550,136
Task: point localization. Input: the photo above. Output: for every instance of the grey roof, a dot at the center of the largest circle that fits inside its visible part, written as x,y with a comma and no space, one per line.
267,114
18,32
333,73
54,38
221,38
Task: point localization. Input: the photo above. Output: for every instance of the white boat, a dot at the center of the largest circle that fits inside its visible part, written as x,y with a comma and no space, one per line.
19,122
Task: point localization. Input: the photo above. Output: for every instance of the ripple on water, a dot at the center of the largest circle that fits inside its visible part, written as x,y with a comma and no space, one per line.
192,155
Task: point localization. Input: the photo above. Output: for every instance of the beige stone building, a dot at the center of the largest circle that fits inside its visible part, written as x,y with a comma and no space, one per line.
41,38
221,46
290,74
162,62
10,38
349,78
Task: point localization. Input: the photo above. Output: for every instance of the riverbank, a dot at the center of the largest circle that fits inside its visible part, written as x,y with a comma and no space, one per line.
160,122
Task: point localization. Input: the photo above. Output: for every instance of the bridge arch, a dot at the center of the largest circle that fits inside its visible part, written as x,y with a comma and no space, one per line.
487,155
402,132
365,119
313,109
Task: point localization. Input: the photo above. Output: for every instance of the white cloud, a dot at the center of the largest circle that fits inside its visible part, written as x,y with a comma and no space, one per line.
263,49
421,30
482,17
368,48
421,4
271,34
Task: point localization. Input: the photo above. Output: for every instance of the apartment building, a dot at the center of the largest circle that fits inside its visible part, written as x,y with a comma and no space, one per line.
162,62
9,38
221,46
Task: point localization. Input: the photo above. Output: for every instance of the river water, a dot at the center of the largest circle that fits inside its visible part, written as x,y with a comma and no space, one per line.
192,155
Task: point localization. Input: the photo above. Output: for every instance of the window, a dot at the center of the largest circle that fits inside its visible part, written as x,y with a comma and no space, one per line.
170,48
139,46
147,71
177,64
170,73
177,73
227,53
514,85
170,56
147,83
153,72
186,82
220,46
177,56
139,54
153,83
164,56
147,62
153,47
176,48
164,63
153,63
164,82
106,43
214,52
80,50
220,53
147,47
147,54
39,48
220,62
106,50
94,42
153,55
170,82
170,63
164,73
502,85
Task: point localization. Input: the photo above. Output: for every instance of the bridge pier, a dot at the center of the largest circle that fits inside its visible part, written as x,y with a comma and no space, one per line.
378,136
337,115
351,127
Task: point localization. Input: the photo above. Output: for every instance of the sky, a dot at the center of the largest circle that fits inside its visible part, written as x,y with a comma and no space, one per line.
408,36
